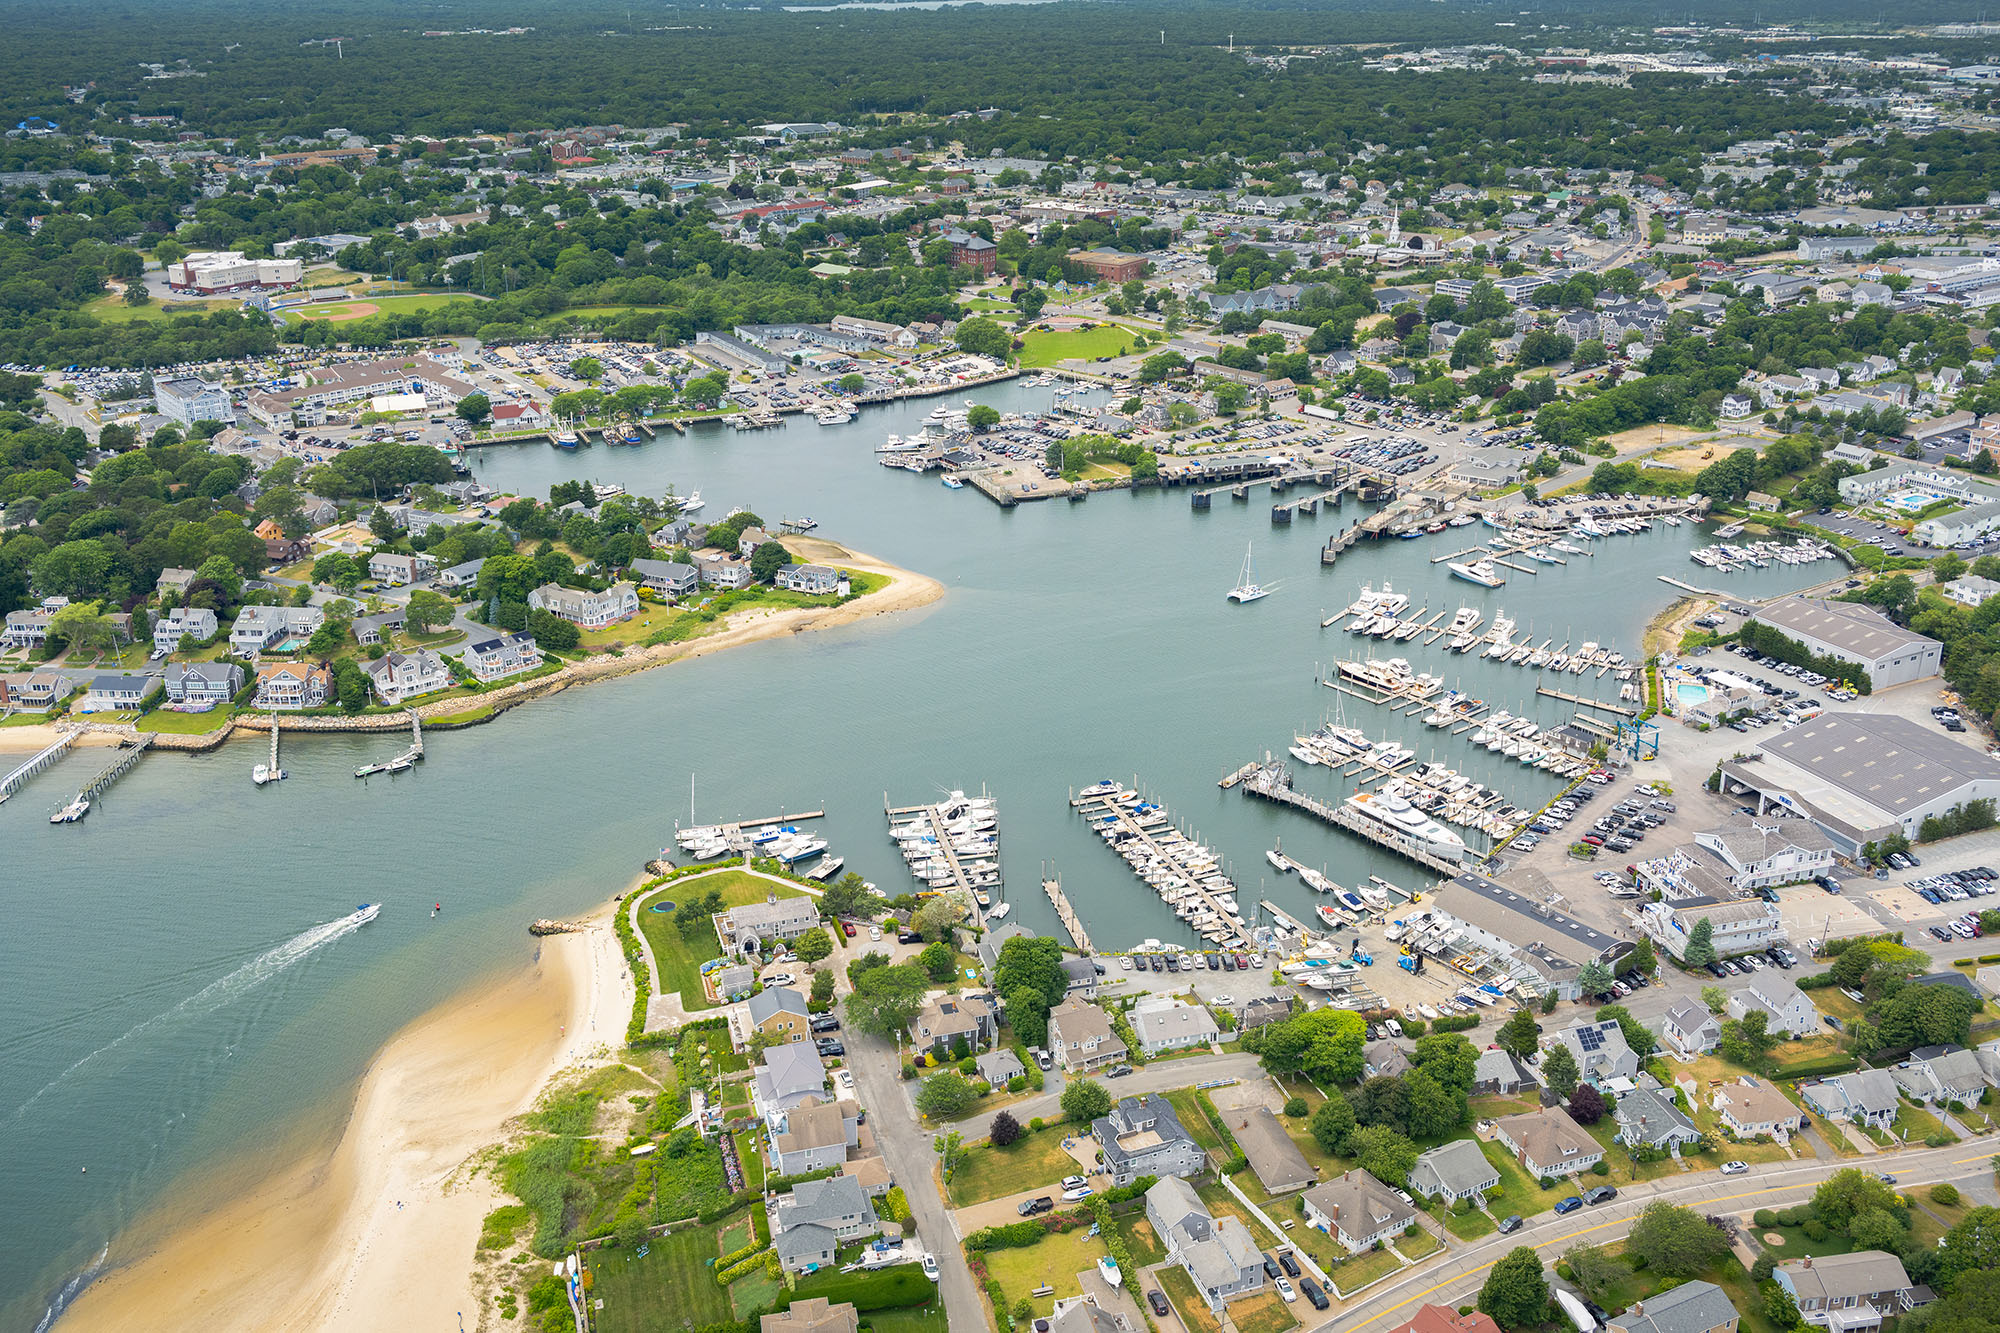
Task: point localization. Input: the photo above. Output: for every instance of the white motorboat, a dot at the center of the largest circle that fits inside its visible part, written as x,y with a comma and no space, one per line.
693,503
1483,572
998,912
367,912
1394,815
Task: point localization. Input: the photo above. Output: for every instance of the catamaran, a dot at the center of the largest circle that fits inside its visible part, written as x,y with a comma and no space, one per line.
1247,588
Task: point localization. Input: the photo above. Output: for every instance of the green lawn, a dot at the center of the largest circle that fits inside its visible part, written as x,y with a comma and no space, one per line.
1793,1242
897,1288
1221,1203
925,1319
1519,1192
385,305
680,960
1470,1226
1054,1260
187,724
753,1293
1914,1124
675,1282
1188,1303
1195,1119
1362,1269
1420,1246
1262,1313
113,310
1139,1238
1046,349
1032,1160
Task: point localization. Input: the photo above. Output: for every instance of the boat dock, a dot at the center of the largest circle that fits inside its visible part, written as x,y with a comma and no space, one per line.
970,879
1284,511
1338,543
1689,587
1052,885
402,763
1229,780
1187,875
14,781
128,755
1273,782
1566,697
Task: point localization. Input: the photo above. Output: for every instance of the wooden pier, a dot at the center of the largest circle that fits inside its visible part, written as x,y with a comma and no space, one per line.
1231,779
961,878
1153,836
15,780
1273,783
1587,703
1052,885
127,757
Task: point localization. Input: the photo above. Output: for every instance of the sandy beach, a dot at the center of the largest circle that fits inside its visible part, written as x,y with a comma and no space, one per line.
381,1233
39,736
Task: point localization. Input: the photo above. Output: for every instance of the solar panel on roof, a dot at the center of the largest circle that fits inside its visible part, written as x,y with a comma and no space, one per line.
1590,1039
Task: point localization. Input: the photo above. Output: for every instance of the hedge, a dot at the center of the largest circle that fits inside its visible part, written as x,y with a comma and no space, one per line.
1825,1064
1819,982
740,1268
1454,1022
779,1184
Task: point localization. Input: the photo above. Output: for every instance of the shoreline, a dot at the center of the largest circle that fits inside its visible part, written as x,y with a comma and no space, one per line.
906,590
389,1218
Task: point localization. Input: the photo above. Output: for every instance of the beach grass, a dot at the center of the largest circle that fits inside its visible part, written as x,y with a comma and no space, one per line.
1036,1158
673,1285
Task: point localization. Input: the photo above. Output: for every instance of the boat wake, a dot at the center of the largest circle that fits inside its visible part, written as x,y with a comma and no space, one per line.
215,995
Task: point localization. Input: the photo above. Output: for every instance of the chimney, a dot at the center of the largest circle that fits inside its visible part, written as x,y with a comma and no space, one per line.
1636,1311
1808,1262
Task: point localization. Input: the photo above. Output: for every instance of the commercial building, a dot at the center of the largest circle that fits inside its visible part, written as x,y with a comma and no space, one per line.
206,272
1737,926
1540,946
190,400
1860,777
1110,265
331,388
1890,654
974,251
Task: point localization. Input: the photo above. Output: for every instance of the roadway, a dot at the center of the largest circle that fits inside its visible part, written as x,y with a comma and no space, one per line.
1456,1281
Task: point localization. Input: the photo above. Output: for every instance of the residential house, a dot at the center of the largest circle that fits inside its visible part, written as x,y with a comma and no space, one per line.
987,948
1384,1059
816,1134
1751,1108
669,578
1219,1254
1502,1072
752,927
723,571
1784,1005
818,580
199,686
393,570
807,1248
948,1019
1942,1074
1082,1314
113,693
1444,1319
788,1075
999,1065
1647,1117
1600,1050
291,686
35,690
1849,1293
813,1315
196,622
1865,1097
1548,1142
459,576
1080,1037
173,579
1143,1137
28,628
1692,1307
1163,1023
1257,1010
588,610
1688,1029
1280,1166
1357,1210
1453,1171
835,1203
398,676
496,659
260,628
1083,977
750,539
779,1014
370,630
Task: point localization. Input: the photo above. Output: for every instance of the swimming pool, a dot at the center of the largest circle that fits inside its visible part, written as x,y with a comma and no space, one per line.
1690,694
1911,502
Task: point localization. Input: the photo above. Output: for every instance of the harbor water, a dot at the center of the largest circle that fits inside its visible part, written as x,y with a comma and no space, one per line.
185,997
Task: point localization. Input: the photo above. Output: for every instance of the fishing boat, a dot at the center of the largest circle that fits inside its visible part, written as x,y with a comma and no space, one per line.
1330,915
1491,519
263,773
1461,520
568,439
1279,862
1247,588
1482,572
953,484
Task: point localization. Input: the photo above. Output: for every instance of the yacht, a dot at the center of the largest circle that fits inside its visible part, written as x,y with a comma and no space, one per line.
1465,622
833,416
1278,862
692,503
1394,815
1247,588
1482,572
1372,604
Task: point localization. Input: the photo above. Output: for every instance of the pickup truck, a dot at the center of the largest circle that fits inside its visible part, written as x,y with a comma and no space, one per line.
1030,1207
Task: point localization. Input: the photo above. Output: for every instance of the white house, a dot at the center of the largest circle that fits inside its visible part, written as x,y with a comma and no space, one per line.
588,610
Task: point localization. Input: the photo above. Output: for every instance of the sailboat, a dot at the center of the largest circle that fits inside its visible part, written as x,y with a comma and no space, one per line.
1247,588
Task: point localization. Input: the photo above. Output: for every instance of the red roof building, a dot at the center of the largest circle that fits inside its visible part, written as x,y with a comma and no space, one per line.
1444,1319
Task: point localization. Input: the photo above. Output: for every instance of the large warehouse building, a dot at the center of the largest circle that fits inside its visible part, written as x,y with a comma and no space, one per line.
1542,947
1863,776
1890,654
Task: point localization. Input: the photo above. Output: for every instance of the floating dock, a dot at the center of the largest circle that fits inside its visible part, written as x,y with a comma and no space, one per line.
972,878
403,762
1187,875
1273,782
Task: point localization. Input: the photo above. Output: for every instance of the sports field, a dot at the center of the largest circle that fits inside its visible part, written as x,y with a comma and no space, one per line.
340,311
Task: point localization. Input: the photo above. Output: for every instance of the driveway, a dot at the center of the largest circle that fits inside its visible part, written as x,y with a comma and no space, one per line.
877,1067
1160,1076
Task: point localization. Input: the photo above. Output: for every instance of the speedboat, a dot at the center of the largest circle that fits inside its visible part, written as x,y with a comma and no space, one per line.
367,912
693,503
1107,1268
999,911
953,484
1278,862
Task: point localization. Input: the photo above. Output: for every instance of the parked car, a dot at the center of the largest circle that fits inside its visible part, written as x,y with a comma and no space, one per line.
830,1046
1313,1293
1286,1290
1602,1194
1270,1266
1510,1224
1072,1182
1030,1207
1158,1301
1118,1071
1735,1168
1569,1205
1288,1262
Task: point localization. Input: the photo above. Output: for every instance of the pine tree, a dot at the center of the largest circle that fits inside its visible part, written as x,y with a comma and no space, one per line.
1700,951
